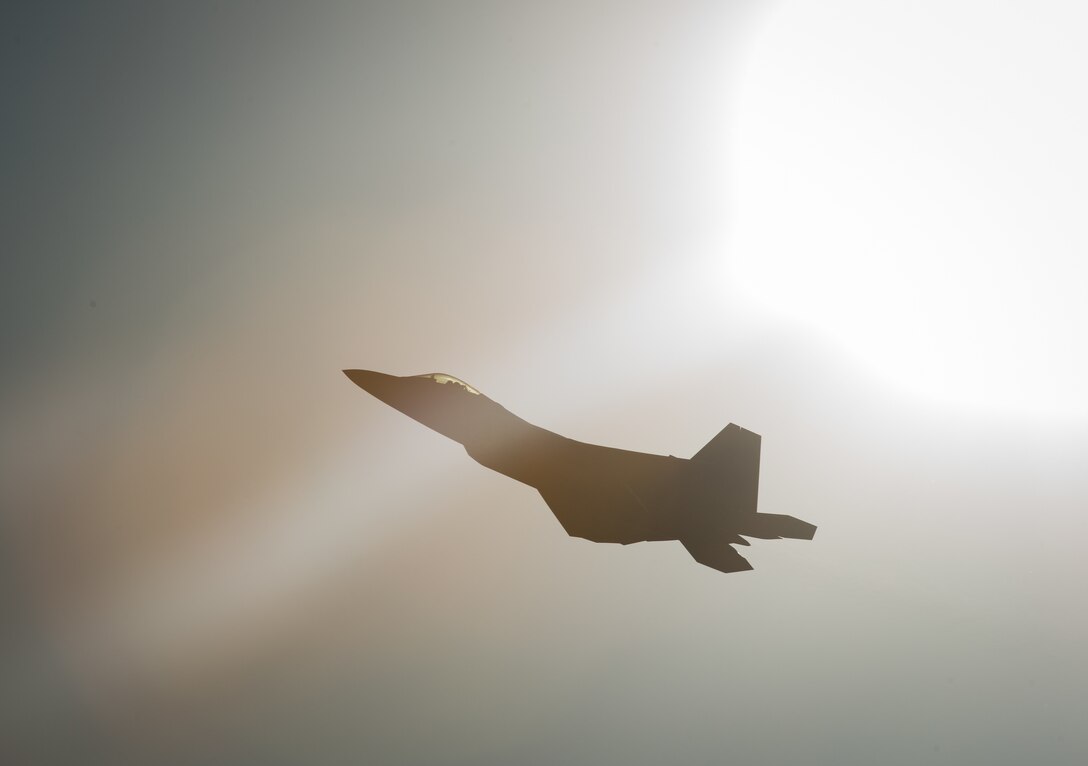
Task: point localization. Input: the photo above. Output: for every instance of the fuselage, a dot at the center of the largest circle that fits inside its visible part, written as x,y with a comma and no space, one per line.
601,493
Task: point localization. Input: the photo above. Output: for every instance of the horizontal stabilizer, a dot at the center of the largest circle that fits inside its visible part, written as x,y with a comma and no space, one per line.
716,553
771,526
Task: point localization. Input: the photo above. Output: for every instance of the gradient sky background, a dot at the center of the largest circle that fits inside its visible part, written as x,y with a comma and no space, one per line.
855,228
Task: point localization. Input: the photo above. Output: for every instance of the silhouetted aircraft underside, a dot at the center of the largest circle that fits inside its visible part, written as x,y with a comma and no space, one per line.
599,493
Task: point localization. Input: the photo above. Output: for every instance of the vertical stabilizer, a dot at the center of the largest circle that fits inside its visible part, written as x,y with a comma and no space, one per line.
732,459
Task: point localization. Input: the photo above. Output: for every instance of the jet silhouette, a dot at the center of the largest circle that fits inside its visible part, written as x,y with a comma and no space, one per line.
599,493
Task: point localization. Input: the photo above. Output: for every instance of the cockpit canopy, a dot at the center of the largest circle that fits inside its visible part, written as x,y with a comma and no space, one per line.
441,377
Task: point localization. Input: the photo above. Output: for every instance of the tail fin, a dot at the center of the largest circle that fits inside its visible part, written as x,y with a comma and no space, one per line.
733,458
730,462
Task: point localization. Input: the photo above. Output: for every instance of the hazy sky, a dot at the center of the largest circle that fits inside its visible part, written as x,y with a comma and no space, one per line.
854,228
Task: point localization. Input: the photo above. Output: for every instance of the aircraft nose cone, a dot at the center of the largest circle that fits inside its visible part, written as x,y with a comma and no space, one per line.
376,383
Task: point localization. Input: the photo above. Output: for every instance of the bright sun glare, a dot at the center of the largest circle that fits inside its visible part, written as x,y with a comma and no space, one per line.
915,195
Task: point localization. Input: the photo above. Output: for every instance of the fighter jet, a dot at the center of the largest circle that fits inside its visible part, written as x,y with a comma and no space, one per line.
600,493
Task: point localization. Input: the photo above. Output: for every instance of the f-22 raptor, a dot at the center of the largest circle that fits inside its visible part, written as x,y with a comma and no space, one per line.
600,493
